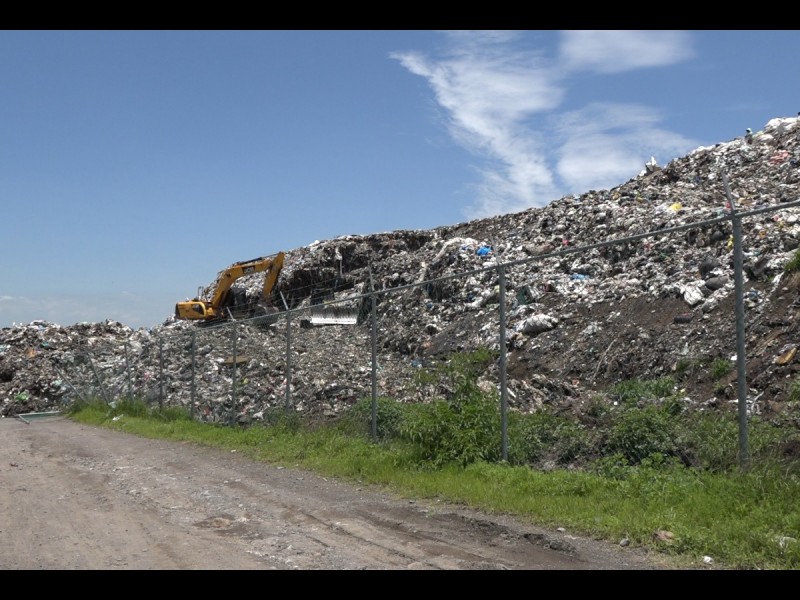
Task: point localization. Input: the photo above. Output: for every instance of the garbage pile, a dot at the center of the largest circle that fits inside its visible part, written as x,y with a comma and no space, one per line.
582,312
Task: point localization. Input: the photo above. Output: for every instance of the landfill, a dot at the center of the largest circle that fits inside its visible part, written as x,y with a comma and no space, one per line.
580,311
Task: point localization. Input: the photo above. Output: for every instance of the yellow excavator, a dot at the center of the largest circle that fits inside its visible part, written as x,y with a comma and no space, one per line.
221,301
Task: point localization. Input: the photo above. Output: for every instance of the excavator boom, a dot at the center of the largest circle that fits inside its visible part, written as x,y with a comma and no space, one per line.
218,299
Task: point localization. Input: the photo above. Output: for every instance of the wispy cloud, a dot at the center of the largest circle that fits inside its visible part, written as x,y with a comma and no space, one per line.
610,51
501,100
603,144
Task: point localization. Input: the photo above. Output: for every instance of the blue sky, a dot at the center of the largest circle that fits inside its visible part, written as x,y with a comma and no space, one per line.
136,164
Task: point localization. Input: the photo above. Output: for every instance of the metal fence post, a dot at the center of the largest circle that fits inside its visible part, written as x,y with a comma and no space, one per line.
288,353
373,344
161,372
193,388
741,358
128,372
503,390
235,334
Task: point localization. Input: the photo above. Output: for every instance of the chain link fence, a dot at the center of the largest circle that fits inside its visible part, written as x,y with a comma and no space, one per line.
239,371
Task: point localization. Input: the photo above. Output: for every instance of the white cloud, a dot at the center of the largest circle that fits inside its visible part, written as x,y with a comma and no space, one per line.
466,38
501,103
609,51
603,144
489,96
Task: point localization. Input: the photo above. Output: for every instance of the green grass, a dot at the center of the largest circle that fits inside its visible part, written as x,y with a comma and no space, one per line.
738,518
794,390
721,367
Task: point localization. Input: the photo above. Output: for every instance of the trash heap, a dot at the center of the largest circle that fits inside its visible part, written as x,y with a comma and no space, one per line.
582,313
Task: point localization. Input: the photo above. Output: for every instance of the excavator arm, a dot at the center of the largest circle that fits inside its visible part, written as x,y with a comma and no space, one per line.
271,277
216,296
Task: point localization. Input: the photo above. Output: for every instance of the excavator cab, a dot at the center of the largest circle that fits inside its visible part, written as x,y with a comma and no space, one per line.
193,309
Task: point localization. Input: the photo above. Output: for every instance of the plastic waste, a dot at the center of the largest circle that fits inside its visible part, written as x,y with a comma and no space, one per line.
538,323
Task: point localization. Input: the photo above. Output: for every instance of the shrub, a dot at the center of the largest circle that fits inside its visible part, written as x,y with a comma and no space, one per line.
389,416
635,390
543,437
465,426
463,431
639,432
282,419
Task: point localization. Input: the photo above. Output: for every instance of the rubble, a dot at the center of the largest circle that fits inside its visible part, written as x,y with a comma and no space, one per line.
582,313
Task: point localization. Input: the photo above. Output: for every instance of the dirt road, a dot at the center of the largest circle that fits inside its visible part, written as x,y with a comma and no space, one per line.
78,497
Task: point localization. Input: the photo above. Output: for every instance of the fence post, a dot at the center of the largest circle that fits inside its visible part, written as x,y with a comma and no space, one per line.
503,390
235,334
288,353
193,387
161,372
128,372
741,365
373,344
